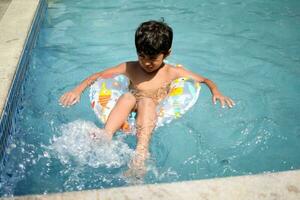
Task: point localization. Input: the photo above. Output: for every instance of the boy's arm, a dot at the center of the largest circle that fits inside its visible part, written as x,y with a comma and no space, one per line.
73,96
216,94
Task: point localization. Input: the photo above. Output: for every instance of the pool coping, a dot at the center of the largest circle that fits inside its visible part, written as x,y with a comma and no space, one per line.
19,29
277,186
15,25
3,7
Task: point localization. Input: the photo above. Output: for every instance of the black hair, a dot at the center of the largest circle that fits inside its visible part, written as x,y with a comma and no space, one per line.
153,37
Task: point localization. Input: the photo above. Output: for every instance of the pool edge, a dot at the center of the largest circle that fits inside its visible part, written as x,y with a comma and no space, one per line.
280,186
14,27
19,29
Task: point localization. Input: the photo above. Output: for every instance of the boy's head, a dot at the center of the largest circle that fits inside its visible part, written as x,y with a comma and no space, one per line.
153,38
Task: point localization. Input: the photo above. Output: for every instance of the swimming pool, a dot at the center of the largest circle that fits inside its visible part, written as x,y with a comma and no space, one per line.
249,49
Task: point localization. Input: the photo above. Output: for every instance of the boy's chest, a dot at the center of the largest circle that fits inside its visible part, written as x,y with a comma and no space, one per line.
149,82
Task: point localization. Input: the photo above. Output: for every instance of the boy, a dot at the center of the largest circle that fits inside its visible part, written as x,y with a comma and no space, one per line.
149,83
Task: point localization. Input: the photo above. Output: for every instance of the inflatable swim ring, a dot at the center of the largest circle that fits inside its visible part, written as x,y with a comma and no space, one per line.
105,92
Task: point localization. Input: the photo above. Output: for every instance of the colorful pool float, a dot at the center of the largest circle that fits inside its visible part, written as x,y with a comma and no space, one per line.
105,92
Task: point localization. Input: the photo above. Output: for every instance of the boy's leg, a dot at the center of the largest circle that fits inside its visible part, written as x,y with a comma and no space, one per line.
119,113
146,121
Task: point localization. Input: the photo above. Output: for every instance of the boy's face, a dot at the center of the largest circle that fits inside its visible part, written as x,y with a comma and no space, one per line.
151,63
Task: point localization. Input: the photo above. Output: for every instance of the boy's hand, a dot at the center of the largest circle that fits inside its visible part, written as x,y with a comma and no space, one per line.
69,98
223,100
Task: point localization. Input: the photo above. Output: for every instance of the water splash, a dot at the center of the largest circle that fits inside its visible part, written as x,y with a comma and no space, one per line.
75,144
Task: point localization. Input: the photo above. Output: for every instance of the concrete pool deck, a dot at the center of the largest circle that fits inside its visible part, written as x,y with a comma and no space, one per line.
15,22
275,186
3,6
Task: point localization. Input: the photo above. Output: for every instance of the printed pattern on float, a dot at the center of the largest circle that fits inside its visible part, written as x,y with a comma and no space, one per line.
104,94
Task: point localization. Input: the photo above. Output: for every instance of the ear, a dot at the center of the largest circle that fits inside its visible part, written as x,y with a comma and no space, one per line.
167,54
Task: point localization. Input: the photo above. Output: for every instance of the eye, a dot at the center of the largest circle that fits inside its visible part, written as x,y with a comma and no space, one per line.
154,59
141,55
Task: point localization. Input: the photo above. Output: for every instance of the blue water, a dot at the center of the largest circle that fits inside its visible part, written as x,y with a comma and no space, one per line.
249,48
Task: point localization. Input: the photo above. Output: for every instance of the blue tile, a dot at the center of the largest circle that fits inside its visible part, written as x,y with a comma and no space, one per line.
8,120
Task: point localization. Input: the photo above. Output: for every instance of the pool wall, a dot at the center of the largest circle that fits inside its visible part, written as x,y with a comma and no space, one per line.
19,28
19,21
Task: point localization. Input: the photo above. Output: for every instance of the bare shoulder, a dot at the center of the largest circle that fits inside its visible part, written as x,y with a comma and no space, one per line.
119,67
122,68
131,69
131,66
170,68
173,71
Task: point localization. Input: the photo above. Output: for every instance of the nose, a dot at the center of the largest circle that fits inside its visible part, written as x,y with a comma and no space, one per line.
147,64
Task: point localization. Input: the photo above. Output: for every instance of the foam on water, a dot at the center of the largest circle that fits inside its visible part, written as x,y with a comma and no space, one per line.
75,144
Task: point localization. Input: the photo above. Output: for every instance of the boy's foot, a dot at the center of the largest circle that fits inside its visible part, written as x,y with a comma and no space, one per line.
137,168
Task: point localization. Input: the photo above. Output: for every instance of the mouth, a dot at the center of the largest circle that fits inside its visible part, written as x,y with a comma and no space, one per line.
148,68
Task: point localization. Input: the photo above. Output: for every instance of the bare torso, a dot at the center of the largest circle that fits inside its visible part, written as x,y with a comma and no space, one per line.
145,81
